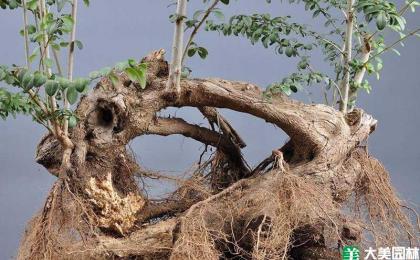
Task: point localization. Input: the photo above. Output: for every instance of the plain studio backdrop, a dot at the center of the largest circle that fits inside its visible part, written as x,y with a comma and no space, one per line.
114,31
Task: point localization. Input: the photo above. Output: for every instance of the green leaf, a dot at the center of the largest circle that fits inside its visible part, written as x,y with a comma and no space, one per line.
2,74
137,75
185,72
27,81
55,46
286,90
67,23
22,73
132,74
31,29
79,44
191,52
81,84
202,52
71,95
64,83
72,121
132,62
51,87
87,2
13,4
381,21
142,81
64,44
114,79
39,79
143,67
219,14
289,51
226,2
32,5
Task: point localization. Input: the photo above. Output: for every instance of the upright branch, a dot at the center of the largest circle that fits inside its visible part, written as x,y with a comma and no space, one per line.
177,47
25,33
58,128
70,64
31,93
358,78
347,56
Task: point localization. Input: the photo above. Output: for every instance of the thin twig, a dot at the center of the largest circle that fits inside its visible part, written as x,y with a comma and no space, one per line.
400,13
393,44
197,27
57,62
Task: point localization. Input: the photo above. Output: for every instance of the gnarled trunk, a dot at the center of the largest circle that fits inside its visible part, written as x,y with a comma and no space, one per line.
318,192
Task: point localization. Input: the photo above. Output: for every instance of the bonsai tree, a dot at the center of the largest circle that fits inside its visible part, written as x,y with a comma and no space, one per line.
308,199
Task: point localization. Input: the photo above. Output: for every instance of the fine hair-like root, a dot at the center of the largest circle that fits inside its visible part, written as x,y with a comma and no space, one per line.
384,215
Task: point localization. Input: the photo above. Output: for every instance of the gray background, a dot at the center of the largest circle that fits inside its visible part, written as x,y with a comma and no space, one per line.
113,31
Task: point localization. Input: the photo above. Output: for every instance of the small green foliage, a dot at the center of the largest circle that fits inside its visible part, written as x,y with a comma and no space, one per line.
72,121
49,30
384,12
381,21
13,104
114,78
193,49
81,84
39,79
185,72
51,87
137,73
276,31
71,94
27,81
297,40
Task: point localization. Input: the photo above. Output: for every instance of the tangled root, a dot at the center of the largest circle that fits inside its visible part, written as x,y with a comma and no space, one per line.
380,209
260,224
277,215
62,223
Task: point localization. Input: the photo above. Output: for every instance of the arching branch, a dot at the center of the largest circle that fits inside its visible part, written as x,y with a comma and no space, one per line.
216,118
171,126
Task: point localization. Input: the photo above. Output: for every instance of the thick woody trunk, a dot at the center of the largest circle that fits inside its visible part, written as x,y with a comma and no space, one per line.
292,204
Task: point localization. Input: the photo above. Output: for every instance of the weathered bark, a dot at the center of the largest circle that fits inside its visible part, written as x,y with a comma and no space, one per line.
233,215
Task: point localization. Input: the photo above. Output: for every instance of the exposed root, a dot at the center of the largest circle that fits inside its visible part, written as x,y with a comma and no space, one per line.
384,216
59,225
260,223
